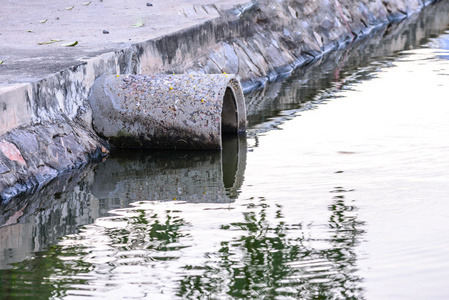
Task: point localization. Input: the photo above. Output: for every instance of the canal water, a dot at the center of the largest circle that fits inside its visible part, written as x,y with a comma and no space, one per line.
340,190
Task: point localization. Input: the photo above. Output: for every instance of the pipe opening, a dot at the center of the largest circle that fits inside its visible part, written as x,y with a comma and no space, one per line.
229,120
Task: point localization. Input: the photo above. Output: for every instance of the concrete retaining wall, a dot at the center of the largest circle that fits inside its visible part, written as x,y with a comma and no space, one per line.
268,38
257,41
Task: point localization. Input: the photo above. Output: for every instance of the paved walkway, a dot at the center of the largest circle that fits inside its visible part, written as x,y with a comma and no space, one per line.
32,33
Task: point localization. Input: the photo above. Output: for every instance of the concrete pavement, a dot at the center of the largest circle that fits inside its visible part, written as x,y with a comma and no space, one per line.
25,24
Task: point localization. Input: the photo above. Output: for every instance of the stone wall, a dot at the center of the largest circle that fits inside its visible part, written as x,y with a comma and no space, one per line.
269,38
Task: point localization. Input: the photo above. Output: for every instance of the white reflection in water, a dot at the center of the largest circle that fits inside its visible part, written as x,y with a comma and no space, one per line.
347,200
387,139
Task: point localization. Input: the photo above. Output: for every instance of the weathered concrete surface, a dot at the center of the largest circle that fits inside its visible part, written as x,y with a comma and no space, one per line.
167,111
48,85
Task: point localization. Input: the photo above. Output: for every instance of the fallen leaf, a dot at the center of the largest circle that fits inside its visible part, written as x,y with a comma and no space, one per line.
43,21
50,42
30,30
140,24
86,3
46,43
1,61
70,44
70,7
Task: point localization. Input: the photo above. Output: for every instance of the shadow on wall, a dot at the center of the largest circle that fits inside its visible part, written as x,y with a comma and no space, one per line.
32,223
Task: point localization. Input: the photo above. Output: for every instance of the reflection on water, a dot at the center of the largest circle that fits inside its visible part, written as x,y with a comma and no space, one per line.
324,212
267,259
192,176
142,251
112,252
31,224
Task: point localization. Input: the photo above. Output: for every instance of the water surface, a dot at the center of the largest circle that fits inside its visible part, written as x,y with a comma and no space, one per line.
338,191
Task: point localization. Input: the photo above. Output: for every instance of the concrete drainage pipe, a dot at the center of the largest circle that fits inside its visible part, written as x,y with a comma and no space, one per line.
167,111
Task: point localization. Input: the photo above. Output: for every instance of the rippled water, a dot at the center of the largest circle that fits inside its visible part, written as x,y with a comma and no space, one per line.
340,190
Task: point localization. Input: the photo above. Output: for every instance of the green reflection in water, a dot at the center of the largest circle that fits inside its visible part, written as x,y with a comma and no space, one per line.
35,278
73,266
269,260
146,230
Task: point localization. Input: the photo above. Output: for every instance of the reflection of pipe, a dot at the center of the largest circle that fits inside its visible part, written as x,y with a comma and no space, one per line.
78,198
204,176
234,164
167,111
